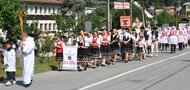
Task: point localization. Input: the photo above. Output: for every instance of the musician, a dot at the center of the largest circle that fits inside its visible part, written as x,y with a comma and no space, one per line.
155,37
114,44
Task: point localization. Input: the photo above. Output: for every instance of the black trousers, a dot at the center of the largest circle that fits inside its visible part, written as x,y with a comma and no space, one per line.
181,46
173,48
164,46
10,75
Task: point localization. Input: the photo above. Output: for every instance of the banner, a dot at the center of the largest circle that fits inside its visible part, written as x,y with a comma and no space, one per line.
125,21
121,5
69,58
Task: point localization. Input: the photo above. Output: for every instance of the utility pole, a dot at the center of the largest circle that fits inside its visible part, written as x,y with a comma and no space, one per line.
109,23
143,12
131,13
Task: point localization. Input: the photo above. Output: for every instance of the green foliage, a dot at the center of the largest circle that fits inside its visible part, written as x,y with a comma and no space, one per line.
165,17
46,45
98,18
9,19
117,13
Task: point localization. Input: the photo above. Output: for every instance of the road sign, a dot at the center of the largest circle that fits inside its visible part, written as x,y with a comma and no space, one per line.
125,21
88,26
121,5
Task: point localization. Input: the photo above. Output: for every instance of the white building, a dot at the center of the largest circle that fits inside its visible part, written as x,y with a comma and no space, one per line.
41,11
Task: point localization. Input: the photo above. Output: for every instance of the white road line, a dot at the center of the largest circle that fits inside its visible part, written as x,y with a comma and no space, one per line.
125,73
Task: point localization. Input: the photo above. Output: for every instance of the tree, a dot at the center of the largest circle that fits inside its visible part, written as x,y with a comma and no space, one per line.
165,17
9,20
97,17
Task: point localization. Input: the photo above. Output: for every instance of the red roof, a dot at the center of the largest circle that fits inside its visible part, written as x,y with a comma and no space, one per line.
44,1
169,7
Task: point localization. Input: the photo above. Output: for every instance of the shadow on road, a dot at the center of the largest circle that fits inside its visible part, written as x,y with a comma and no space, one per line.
53,68
20,83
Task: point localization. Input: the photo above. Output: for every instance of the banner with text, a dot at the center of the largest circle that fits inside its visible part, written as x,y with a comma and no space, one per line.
69,58
125,21
121,5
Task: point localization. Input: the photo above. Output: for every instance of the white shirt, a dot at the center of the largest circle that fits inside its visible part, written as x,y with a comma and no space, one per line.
10,60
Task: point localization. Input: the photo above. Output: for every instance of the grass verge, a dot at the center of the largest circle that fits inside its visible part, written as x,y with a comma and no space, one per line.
42,64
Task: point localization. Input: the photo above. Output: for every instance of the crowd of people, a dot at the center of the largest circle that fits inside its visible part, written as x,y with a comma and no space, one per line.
100,48
104,47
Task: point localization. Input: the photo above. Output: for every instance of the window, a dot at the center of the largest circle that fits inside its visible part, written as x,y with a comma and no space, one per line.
40,10
26,8
31,9
53,10
36,10
49,9
54,26
45,27
41,26
50,26
45,10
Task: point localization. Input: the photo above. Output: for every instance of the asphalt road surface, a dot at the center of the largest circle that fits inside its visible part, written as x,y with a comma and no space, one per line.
165,72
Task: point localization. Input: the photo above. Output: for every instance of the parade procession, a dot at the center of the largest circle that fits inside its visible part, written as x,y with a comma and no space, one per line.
94,44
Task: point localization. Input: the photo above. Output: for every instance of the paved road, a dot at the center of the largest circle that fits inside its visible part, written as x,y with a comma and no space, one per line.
166,72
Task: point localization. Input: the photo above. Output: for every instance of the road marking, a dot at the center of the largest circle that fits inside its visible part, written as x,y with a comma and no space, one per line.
125,73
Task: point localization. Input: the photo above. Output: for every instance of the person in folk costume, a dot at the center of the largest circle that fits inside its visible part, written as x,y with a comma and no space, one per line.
164,39
59,52
155,37
105,47
159,30
10,64
125,39
185,37
144,32
188,32
88,40
95,49
28,46
173,39
148,40
180,34
82,53
135,37
114,44
140,47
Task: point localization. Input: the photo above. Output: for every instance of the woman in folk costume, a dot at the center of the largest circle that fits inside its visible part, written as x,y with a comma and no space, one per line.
140,47
105,47
59,52
125,39
28,46
149,40
173,39
159,30
180,34
164,39
185,37
188,32
95,49
82,53
114,45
